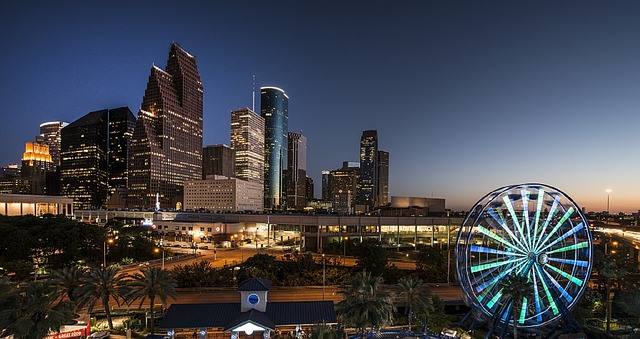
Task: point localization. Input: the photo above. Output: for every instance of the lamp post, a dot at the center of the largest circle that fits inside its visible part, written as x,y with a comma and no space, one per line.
104,251
161,244
324,275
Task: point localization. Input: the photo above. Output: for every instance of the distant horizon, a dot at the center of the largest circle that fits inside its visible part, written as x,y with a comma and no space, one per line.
466,97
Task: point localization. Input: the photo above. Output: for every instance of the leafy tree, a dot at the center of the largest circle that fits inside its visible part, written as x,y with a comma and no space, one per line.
34,312
516,287
430,263
364,305
69,281
325,332
102,284
414,295
372,257
151,283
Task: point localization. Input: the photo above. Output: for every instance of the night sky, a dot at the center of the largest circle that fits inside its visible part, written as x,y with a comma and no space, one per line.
466,96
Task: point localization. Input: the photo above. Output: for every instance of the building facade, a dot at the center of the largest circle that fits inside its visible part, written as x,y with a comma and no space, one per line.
37,174
343,183
274,108
166,148
218,160
19,204
383,178
326,190
51,135
223,194
9,178
367,182
247,141
296,173
309,190
94,156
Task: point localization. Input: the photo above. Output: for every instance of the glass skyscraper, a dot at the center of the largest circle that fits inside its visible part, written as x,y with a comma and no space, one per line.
368,181
274,108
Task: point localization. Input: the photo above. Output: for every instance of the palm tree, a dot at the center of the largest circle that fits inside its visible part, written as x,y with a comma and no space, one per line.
34,312
68,280
325,332
151,283
516,286
102,284
364,305
415,296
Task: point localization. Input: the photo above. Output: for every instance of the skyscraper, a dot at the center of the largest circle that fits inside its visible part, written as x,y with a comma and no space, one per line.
309,194
247,140
37,167
383,178
368,180
218,160
274,108
296,173
94,156
166,148
326,190
50,135
344,183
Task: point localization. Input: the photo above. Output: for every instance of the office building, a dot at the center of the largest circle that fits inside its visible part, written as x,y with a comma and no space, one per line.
344,183
309,189
223,194
247,141
368,181
274,108
94,152
166,147
38,205
383,178
37,170
218,160
414,206
296,173
9,178
50,135
326,190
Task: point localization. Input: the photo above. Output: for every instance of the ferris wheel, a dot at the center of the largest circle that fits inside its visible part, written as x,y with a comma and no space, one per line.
532,230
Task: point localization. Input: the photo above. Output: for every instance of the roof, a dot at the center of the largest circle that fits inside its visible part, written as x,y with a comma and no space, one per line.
226,315
255,284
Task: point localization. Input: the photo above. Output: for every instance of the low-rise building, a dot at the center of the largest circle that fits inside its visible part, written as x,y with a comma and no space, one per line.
223,194
24,204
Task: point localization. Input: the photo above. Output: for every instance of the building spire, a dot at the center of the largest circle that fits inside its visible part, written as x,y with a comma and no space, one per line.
253,93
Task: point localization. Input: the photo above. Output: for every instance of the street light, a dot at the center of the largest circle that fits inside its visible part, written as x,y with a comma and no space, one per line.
104,251
324,275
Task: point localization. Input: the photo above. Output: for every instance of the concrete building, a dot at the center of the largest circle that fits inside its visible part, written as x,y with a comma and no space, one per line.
218,160
414,206
22,204
223,194
247,140
296,174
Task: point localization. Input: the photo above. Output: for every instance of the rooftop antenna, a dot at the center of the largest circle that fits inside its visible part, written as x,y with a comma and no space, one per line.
253,94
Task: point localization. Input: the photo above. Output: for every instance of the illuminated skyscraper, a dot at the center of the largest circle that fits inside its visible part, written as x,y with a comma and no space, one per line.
37,167
94,156
326,190
218,160
368,181
383,178
274,108
51,136
296,173
166,148
247,140
343,183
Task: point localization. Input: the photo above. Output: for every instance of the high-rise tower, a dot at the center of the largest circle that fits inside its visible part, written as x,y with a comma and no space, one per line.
166,148
51,136
274,108
368,180
383,178
296,174
247,140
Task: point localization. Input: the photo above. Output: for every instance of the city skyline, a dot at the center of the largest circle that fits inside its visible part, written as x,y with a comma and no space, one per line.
481,122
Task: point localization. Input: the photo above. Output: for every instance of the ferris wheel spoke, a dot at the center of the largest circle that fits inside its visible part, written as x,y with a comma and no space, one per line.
552,212
539,202
570,247
494,280
570,232
561,289
495,299
514,217
581,263
525,215
498,238
500,220
482,249
547,293
566,275
536,297
523,310
482,267
564,218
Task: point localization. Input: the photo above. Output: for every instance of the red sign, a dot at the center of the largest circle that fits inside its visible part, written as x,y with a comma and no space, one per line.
71,332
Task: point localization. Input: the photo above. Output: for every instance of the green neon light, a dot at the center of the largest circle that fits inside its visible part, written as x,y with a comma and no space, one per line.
496,237
552,303
507,201
570,247
523,310
495,299
558,225
554,207
538,211
566,275
482,267
525,215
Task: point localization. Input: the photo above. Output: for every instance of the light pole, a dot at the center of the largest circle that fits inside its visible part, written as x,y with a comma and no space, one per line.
324,275
161,244
104,251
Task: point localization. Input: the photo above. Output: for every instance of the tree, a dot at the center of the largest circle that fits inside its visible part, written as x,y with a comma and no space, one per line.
325,332
364,305
102,284
34,312
415,296
372,257
68,280
430,264
151,283
516,287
